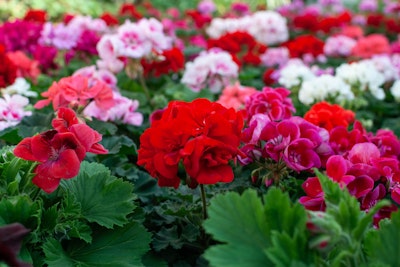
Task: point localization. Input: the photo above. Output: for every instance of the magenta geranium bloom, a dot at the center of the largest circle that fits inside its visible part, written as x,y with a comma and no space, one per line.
314,199
300,155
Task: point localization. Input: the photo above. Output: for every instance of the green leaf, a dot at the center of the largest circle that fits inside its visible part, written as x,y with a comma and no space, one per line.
167,237
104,199
287,250
246,225
383,245
37,123
122,246
19,209
240,222
115,143
340,204
55,255
103,127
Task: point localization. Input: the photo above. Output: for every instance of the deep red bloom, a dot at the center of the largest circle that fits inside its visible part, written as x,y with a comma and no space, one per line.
128,9
206,160
240,44
305,44
308,21
375,20
109,19
267,79
36,15
203,135
172,60
329,116
199,19
8,71
67,18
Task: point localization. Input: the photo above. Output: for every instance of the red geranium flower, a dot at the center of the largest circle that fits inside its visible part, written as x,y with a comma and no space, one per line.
129,10
36,15
59,154
109,19
305,44
203,135
329,116
60,151
172,60
8,71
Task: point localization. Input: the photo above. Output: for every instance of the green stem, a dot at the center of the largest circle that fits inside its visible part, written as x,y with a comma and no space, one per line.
36,193
203,200
144,87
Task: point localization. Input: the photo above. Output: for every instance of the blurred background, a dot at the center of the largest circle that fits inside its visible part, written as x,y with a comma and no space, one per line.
56,9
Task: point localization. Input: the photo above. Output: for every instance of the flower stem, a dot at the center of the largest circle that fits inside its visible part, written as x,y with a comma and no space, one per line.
144,87
203,200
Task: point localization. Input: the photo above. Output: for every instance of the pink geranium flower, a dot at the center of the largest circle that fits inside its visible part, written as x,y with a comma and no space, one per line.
75,91
235,96
371,45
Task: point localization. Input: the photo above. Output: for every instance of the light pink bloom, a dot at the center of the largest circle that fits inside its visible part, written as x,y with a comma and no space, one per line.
109,47
95,75
12,110
339,46
59,36
206,7
124,110
275,57
213,69
135,43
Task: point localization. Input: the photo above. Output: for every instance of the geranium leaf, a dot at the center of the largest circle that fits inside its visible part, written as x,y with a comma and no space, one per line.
103,127
383,245
103,198
115,144
245,224
37,123
121,246
19,209
55,255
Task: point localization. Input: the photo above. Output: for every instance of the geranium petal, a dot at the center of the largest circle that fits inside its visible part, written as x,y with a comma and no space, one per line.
47,183
23,150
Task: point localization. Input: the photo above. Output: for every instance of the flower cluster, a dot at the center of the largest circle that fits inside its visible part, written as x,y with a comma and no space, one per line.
212,69
59,151
329,116
281,140
75,91
267,27
201,135
368,166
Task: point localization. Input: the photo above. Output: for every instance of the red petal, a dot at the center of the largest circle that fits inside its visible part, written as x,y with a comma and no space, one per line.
41,147
48,184
23,150
66,166
66,117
